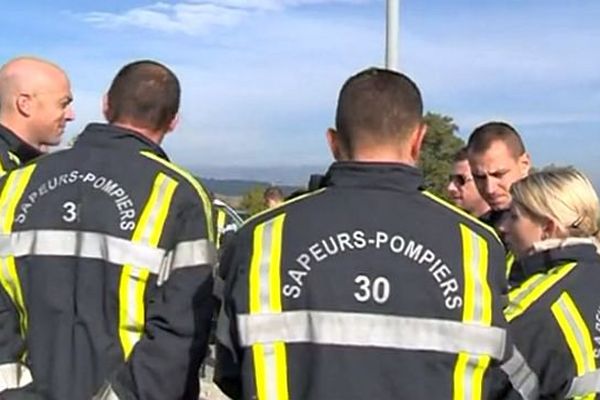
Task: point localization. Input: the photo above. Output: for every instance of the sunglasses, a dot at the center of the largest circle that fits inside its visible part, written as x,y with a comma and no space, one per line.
459,180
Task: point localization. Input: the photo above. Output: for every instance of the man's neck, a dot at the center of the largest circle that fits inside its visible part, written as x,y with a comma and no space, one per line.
481,210
382,156
151,135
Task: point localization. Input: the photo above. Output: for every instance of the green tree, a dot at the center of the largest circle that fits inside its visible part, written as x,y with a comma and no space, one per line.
440,145
253,201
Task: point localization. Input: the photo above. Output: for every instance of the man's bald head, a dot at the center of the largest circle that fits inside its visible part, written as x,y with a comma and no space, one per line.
35,98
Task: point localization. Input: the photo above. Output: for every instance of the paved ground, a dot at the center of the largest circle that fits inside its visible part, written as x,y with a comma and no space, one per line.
208,390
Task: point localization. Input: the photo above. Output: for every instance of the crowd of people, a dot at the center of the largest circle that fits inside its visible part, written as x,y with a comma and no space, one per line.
118,269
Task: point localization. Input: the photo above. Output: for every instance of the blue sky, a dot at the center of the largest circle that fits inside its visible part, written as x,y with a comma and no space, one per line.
260,77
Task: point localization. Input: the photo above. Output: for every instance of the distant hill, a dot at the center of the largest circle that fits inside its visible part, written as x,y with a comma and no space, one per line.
238,187
296,176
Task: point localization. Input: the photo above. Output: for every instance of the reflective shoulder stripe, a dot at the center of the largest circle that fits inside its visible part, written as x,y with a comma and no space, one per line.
206,203
577,335
585,384
524,296
106,393
522,378
14,376
279,208
134,278
462,213
270,359
371,330
10,197
477,309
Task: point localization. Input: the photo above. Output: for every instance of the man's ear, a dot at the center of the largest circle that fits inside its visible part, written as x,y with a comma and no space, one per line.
24,104
525,164
174,123
105,107
335,146
417,142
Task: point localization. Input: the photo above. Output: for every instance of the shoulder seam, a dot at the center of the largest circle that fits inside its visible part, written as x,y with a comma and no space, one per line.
462,213
279,209
186,175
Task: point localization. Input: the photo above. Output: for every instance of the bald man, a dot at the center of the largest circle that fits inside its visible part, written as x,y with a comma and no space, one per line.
35,106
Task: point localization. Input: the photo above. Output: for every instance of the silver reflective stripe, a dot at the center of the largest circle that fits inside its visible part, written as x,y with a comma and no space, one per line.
522,378
153,216
475,271
371,330
81,244
106,393
193,253
585,384
14,376
188,254
270,362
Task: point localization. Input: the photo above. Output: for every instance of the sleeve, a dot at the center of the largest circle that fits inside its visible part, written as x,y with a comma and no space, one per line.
540,365
497,383
165,362
228,370
13,374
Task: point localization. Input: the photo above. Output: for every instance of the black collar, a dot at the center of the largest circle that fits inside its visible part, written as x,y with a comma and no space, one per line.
544,261
17,146
106,135
393,176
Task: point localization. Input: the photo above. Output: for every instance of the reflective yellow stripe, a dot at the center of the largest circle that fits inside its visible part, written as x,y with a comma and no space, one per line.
9,199
207,204
270,359
510,261
221,219
522,297
134,278
477,309
461,212
577,335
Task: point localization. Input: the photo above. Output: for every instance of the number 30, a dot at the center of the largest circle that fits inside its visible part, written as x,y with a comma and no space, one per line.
378,290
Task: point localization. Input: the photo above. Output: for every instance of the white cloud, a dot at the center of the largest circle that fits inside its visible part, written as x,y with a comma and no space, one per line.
196,17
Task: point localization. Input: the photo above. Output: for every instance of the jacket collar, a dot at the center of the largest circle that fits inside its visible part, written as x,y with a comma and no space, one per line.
23,150
107,135
552,253
392,176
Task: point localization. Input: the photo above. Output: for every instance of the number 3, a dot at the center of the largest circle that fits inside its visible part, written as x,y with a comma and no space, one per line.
70,214
379,290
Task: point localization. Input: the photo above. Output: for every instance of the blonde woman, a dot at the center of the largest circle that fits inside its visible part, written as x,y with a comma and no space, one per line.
554,303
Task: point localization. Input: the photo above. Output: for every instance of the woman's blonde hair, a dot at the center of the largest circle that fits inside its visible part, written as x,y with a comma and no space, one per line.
564,195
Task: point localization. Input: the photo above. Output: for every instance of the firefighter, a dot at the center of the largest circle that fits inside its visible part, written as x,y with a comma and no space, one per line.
370,287
35,107
553,308
107,256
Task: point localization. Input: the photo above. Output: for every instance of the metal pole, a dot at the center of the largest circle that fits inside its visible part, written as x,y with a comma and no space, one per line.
392,34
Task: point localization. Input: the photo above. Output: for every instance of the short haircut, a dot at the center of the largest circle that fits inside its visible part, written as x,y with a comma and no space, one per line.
273,193
485,135
377,105
145,94
461,155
